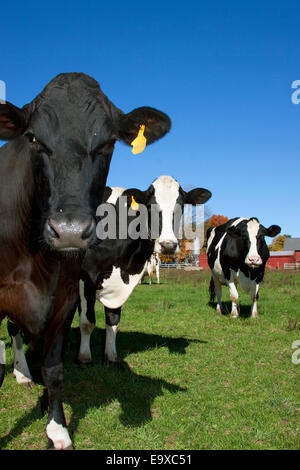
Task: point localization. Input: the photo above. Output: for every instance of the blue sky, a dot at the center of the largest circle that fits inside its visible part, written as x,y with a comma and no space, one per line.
222,70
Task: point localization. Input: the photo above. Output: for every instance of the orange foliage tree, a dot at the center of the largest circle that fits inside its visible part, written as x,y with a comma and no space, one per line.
213,221
216,220
277,243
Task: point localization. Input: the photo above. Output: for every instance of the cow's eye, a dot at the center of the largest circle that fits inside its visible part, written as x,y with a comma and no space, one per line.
31,137
37,144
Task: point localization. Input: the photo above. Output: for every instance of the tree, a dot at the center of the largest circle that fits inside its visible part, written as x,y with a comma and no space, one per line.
185,253
166,258
213,221
277,243
216,220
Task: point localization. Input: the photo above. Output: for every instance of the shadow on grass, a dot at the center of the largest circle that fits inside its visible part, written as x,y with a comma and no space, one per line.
98,385
245,310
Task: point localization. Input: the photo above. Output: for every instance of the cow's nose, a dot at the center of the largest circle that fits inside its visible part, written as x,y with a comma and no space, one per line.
168,247
70,235
254,260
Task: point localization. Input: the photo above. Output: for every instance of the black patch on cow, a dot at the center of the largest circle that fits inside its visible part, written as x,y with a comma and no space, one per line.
112,316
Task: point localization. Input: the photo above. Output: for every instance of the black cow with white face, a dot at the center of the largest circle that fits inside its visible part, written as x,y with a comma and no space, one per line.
53,173
237,253
112,270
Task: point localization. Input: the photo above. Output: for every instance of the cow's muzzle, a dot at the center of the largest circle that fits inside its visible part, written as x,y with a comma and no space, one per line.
253,261
69,235
168,247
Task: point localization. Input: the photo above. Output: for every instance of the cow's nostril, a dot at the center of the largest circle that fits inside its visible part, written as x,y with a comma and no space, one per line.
51,230
88,232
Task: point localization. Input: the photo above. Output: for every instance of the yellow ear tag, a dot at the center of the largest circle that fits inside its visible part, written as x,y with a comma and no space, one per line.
139,143
134,205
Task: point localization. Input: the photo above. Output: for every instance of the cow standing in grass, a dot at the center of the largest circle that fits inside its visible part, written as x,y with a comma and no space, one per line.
112,270
237,253
53,173
152,267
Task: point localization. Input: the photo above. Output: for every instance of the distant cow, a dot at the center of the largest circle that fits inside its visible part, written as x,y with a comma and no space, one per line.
152,266
237,252
111,271
52,179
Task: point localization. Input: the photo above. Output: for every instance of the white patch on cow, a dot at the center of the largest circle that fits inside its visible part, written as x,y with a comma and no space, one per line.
217,266
245,282
59,435
254,293
166,194
114,291
249,286
21,370
211,237
116,193
86,329
2,353
253,258
110,342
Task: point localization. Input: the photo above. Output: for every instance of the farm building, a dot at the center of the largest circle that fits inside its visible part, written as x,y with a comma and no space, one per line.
287,259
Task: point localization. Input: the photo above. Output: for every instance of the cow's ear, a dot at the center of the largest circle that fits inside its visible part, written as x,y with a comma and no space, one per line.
107,193
234,232
272,231
135,195
156,123
12,121
197,196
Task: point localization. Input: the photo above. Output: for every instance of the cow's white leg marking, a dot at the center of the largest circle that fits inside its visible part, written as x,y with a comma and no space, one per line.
86,329
234,296
218,289
2,353
2,361
254,293
110,343
21,370
59,435
157,273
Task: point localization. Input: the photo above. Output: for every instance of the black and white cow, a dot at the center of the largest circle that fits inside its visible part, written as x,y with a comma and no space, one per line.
152,266
112,270
237,253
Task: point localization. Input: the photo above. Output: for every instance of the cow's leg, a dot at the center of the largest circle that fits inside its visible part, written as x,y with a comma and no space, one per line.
2,361
86,320
218,291
254,298
150,279
112,318
64,307
52,372
234,296
157,273
21,371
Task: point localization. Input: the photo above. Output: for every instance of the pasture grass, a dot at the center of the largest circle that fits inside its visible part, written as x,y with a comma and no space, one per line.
191,379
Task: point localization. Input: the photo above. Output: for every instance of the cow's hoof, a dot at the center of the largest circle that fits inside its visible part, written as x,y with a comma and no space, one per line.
51,447
84,360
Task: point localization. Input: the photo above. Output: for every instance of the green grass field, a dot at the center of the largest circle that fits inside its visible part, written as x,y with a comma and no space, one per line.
191,379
